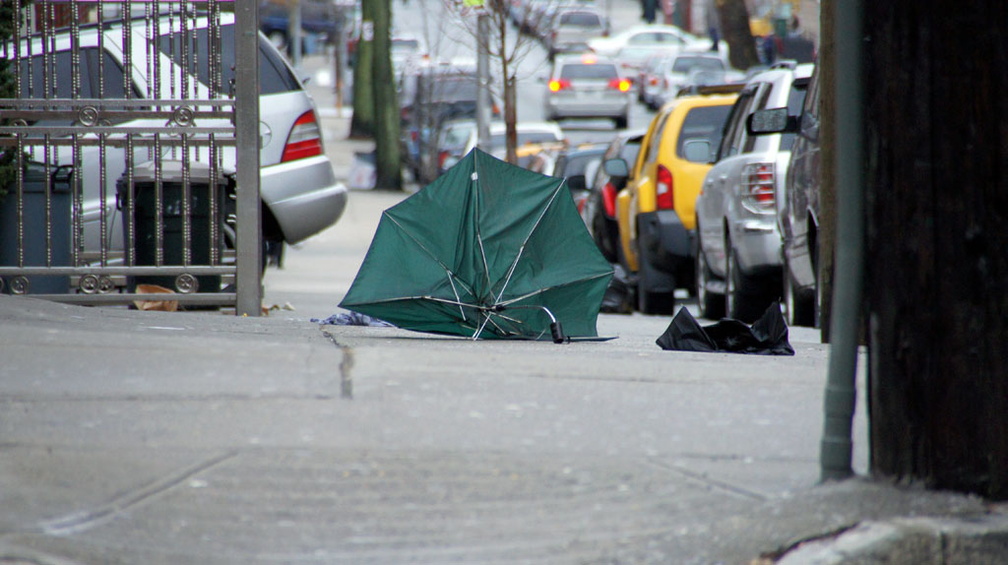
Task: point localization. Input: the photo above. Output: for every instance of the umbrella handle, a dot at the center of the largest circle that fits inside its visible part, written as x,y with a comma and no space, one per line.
558,334
556,329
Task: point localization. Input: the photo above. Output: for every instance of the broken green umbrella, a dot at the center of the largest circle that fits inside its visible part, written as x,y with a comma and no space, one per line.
487,250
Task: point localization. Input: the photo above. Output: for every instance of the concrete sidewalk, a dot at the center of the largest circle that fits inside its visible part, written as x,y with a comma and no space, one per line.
153,437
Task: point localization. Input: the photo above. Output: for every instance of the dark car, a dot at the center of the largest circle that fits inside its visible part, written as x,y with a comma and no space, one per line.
798,206
599,209
798,216
431,98
319,17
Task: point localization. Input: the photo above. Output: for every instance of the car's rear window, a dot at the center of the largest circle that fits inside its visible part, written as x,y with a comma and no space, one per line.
687,64
274,75
59,71
583,19
600,71
704,122
453,89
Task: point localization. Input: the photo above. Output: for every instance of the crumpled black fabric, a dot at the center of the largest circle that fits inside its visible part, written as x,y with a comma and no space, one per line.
767,336
352,319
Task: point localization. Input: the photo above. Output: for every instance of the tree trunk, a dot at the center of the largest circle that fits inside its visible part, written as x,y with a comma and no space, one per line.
388,164
826,233
734,18
937,267
362,123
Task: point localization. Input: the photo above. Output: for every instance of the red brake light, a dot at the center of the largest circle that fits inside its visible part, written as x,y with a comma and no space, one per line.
556,85
623,85
664,194
304,140
609,199
758,185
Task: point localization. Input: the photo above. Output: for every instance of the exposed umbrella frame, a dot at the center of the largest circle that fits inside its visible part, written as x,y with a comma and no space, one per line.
479,295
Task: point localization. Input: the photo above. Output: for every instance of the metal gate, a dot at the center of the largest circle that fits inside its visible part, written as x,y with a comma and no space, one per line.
123,147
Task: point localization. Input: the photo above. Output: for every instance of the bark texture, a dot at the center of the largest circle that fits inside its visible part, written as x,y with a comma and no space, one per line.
937,257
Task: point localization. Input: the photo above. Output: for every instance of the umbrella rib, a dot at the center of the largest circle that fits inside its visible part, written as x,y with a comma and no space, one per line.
542,290
528,236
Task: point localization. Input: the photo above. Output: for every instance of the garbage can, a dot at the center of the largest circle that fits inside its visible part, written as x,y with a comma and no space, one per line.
145,221
34,230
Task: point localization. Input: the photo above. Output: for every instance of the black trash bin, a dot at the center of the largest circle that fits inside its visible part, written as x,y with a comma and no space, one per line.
145,218
34,231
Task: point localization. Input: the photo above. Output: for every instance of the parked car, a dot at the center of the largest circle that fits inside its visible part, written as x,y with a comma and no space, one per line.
798,207
599,208
578,164
692,68
407,52
652,35
299,190
571,27
430,98
738,258
451,151
654,212
587,86
318,17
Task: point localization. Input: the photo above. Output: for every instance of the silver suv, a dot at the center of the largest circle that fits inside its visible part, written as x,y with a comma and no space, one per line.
299,190
738,259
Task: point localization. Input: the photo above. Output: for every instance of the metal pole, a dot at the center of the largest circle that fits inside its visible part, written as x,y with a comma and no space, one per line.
483,74
246,118
294,33
841,389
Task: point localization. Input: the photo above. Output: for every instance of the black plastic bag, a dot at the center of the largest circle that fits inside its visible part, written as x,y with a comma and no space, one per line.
767,336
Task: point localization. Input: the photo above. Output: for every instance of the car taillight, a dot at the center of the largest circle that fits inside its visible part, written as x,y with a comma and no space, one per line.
556,85
622,85
609,199
758,184
304,140
664,194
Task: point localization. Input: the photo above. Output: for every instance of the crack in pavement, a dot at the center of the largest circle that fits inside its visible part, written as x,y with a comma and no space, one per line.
346,364
702,478
82,521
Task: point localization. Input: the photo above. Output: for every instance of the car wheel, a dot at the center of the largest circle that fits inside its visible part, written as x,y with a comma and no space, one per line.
740,300
648,301
711,306
798,307
621,122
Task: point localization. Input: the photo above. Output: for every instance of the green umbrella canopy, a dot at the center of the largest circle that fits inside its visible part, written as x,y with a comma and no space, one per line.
488,250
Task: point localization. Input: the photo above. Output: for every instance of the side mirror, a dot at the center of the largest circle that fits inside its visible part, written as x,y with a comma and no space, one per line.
576,182
697,151
616,168
773,120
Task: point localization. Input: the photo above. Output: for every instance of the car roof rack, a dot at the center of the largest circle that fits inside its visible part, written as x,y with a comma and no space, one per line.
712,89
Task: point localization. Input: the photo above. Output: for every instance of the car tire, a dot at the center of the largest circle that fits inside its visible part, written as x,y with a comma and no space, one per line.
741,302
799,307
711,306
648,301
621,122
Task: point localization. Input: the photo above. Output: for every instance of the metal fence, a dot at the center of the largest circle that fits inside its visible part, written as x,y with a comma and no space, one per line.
121,146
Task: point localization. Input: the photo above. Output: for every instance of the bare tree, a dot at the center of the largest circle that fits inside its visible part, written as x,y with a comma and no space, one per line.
506,48
734,19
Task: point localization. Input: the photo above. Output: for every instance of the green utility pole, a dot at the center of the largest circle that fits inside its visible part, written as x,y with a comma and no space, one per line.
388,166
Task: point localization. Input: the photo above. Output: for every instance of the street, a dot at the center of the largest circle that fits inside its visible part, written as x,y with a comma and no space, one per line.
162,438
